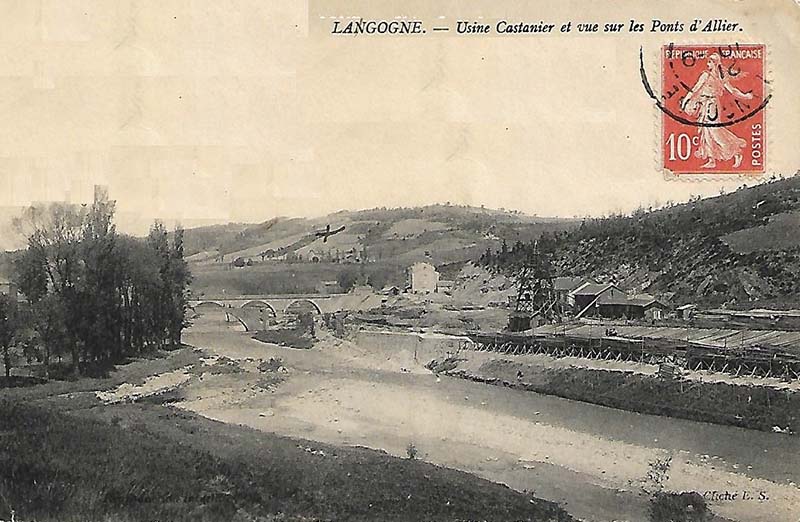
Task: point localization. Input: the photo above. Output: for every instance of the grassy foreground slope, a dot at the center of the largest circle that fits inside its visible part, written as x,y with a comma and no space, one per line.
66,456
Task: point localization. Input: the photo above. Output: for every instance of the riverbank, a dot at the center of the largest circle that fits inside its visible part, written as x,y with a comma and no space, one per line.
373,390
766,404
747,405
110,449
233,392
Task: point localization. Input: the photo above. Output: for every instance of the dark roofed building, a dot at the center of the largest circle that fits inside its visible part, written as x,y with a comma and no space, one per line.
563,287
568,283
638,306
588,293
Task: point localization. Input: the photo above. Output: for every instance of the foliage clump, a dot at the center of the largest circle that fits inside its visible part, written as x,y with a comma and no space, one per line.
94,295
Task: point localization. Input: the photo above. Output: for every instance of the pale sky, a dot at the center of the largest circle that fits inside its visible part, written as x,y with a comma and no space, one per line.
208,111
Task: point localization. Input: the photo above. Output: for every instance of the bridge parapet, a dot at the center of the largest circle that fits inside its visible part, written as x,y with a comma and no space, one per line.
255,297
282,304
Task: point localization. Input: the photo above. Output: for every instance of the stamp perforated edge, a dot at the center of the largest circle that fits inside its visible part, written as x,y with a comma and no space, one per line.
653,62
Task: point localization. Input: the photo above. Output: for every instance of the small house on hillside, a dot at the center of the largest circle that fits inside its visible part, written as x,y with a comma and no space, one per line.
10,289
686,312
7,288
424,279
329,287
391,290
445,285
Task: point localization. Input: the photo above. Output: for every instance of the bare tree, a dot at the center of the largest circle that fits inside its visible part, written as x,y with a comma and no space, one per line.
54,264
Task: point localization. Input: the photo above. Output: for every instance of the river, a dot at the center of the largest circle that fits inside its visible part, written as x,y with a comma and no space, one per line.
591,459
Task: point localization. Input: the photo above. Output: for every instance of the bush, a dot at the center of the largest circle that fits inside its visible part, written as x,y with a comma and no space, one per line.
411,451
379,278
658,473
679,507
348,278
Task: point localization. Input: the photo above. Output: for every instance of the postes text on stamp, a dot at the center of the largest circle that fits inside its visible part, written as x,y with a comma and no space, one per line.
712,109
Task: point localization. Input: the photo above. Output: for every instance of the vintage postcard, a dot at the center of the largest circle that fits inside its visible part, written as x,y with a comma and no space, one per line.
379,260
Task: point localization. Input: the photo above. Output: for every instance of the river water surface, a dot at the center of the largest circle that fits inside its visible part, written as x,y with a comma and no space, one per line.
591,459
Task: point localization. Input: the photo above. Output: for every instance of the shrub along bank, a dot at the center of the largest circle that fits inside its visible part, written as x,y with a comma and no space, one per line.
755,407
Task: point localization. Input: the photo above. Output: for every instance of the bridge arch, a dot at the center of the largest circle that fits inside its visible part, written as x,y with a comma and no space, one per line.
228,315
257,303
206,303
299,304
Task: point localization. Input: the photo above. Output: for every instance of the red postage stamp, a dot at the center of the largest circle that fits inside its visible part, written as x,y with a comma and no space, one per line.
712,103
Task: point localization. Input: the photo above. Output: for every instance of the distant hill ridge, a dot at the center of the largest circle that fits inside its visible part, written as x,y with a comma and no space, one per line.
446,232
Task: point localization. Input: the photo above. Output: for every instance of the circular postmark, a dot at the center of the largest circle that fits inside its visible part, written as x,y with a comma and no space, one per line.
726,72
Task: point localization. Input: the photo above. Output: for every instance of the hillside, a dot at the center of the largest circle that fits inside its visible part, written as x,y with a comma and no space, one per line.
387,231
740,250
295,260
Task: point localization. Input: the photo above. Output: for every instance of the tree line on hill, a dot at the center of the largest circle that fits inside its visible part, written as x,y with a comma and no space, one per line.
521,255
680,250
93,295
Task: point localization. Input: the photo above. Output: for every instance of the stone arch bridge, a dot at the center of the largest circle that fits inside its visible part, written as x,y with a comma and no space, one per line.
255,311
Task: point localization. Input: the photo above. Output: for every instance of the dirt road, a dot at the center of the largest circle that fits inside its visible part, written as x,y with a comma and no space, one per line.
593,460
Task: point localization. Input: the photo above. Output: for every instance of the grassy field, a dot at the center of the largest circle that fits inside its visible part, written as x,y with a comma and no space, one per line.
284,278
780,233
391,239
65,456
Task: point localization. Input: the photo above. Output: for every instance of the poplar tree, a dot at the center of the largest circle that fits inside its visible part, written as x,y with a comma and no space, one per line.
98,295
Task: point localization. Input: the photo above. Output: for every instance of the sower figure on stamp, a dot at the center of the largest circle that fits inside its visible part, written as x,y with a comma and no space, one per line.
703,102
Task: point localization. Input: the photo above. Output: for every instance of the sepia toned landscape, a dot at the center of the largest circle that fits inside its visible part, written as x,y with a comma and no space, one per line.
418,261
410,363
